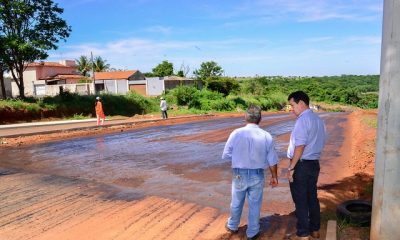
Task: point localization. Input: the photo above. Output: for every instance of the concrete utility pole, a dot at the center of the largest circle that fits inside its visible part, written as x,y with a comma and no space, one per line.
386,200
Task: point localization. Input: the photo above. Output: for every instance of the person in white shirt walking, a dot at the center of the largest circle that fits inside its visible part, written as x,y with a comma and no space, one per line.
163,107
251,150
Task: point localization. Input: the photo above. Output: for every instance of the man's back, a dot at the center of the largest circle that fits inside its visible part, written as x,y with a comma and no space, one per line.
250,147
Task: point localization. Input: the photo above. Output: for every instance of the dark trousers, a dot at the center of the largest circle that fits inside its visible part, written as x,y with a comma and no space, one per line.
164,114
304,194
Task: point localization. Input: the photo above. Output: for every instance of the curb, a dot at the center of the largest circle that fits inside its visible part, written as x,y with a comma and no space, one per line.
107,125
331,230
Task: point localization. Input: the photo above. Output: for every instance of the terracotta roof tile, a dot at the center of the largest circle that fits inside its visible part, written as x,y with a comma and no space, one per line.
47,64
175,78
64,76
114,75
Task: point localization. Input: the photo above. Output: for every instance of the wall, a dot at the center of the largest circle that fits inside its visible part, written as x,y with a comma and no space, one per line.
7,83
80,88
155,86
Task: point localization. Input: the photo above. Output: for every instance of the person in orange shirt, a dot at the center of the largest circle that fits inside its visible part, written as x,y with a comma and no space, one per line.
99,112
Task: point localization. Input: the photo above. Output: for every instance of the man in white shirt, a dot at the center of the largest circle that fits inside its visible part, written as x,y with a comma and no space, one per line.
251,150
163,107
306,144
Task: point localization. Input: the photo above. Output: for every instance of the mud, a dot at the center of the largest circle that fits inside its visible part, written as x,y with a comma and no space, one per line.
162,181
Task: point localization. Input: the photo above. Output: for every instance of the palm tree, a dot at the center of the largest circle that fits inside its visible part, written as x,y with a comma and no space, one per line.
84,65
100,65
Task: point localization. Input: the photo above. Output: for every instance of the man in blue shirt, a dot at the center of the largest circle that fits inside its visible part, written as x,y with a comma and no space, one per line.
251,150
306,144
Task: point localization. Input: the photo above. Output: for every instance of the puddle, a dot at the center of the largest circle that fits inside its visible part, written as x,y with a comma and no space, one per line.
149,161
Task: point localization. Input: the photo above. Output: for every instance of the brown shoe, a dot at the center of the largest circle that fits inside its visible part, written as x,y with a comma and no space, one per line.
295,237
315,235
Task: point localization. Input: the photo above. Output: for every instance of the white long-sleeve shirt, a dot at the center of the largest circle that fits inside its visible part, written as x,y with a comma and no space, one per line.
163,105
250,147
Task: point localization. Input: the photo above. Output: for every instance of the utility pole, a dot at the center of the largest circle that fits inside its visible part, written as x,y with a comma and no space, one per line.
386,203
94,79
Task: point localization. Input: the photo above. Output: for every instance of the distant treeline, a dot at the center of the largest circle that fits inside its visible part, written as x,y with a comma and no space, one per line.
361,91
227,94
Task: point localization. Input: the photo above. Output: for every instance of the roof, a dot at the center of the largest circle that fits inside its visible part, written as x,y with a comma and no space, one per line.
114,75
47,64
175,78
64,76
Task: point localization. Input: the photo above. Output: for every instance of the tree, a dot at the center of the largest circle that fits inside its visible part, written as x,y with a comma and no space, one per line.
100,65
163,69
28,29
183,71
208,69
84,65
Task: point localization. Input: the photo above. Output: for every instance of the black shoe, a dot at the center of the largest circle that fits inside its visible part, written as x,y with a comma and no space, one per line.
254,237
230,230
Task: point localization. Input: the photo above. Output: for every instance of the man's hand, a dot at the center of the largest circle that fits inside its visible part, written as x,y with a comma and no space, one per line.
273,182
290,175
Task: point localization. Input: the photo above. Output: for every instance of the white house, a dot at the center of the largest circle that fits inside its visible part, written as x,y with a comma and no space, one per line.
49,78
155,86
120,82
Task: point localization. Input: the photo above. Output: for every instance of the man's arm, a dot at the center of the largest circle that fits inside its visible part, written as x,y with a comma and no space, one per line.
227,153
274,178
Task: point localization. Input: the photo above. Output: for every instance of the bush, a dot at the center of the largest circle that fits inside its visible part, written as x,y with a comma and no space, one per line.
183,94
222,105
223,85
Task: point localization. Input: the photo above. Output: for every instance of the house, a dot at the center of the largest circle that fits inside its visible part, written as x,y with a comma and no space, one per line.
49,78
155,86
120,82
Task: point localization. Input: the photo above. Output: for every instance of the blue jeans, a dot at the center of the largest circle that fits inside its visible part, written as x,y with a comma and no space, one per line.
250,183
304,194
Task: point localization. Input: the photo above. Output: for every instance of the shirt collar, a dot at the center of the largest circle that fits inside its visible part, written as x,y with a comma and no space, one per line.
304,112
252,125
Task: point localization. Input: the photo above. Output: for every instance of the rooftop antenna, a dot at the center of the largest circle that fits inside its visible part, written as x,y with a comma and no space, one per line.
92,63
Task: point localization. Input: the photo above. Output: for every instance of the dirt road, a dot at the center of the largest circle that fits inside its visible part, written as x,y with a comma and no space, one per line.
77,197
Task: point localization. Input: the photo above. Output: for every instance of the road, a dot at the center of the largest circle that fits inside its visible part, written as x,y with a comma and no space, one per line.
166,181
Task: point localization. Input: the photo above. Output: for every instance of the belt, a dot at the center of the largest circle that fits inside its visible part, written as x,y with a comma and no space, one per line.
308,160
245,170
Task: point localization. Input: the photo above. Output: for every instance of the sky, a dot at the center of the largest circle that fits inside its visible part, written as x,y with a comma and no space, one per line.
244,37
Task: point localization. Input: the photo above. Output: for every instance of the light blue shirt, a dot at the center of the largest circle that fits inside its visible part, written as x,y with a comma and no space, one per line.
309,130
250,147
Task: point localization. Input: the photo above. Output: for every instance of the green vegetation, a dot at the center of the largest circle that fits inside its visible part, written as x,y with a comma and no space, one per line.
360,91
163,69
28,30
218,94
208,69
228,94
370,121
74,106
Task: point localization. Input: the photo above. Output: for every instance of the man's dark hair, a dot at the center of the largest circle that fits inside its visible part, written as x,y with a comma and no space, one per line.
299,95
253,114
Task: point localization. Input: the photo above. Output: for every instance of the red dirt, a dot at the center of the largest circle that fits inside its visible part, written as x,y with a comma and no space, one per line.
36,206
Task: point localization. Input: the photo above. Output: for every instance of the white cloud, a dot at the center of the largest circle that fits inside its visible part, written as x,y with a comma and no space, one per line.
302,11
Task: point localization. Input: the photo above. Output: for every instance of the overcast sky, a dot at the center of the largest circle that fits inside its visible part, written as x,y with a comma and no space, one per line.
245,37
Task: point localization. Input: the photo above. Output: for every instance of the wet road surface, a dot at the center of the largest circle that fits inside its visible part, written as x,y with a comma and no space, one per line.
157,161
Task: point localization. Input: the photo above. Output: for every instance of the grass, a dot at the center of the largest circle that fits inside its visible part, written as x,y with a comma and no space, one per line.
79,117
370,121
